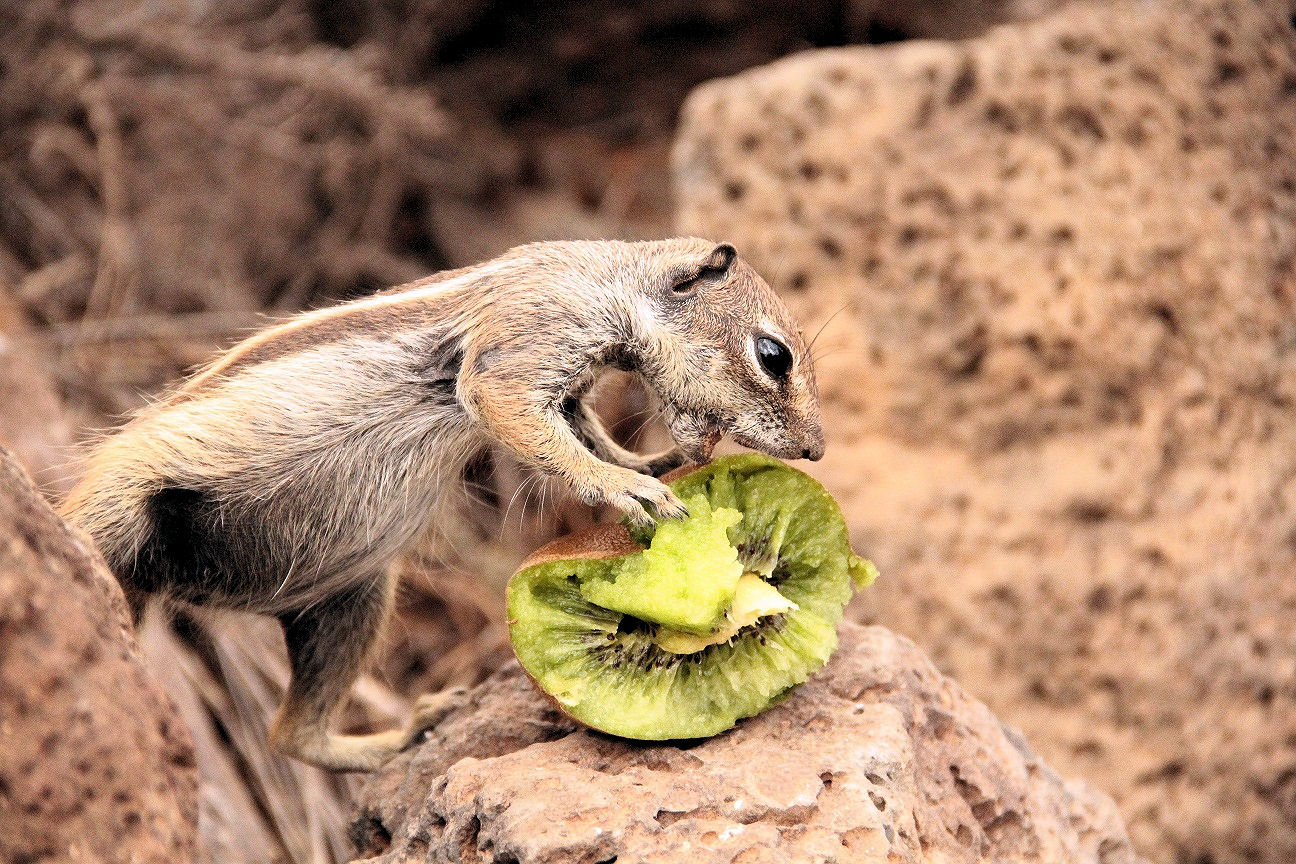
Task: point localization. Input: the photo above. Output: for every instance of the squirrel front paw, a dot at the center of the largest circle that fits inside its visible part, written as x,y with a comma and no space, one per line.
633,494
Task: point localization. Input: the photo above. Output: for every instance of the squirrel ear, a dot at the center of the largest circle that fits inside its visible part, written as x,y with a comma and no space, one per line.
720,259
717,263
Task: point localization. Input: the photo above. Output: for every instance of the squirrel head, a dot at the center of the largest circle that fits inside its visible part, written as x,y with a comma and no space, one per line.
725,355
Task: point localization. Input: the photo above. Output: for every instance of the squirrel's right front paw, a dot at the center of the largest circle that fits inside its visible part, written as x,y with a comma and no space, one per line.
633,493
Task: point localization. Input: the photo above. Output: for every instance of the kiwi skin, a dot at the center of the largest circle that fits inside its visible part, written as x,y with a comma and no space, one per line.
616,541
594,543
597,541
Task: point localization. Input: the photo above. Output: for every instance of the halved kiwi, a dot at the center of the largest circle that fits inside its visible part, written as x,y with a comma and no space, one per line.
682,629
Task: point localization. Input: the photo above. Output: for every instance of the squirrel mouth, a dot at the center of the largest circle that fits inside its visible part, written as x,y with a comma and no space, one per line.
705,445
788,451
695,434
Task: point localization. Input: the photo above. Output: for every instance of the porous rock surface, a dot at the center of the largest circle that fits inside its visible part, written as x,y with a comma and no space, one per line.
1060,382
95,765
878,758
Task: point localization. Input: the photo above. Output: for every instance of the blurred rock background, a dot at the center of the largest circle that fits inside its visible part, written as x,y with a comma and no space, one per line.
1050,246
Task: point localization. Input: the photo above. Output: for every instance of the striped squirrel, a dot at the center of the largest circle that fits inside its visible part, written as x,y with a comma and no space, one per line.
286,476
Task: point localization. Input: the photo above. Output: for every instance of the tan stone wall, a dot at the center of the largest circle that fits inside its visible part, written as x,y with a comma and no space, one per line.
1054,270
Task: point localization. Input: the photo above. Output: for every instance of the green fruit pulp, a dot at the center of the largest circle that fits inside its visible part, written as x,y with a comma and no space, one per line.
684,580
602,665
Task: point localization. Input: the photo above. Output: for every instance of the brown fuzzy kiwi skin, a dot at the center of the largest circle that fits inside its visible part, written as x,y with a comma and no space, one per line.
590,544
561,708
598,541
594,543
683,471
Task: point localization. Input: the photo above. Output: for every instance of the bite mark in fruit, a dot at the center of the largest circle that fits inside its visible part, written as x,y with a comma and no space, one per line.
754,599
685,580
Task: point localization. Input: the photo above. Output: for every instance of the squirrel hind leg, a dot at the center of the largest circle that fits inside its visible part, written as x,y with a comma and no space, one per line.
307,739
327,647
314,744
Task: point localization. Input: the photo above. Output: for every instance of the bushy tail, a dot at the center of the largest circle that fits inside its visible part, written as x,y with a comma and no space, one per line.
111,506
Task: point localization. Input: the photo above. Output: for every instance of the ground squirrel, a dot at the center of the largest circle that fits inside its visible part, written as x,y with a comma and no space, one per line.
285,477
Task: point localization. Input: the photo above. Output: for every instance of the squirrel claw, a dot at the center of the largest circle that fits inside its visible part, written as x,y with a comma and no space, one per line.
671,508
431,709
640,497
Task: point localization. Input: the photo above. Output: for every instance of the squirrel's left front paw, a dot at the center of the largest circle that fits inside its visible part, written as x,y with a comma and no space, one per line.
636,494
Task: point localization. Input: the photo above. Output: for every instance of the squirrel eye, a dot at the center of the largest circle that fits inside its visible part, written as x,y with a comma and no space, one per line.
774,357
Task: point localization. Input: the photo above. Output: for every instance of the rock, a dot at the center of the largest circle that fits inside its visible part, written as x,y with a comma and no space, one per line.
95,765
878,758
1061,374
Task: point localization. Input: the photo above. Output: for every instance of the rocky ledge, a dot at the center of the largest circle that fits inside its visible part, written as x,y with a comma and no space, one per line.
95,764
878,758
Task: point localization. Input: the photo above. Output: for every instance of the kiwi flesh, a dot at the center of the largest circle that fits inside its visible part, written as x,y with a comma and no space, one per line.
685,580
681,629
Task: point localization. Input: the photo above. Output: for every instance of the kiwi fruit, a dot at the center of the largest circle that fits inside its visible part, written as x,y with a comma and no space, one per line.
680,630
